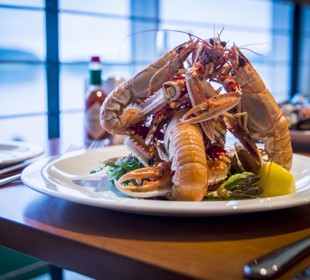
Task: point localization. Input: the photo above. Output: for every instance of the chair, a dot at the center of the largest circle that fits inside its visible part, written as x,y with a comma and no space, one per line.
18,266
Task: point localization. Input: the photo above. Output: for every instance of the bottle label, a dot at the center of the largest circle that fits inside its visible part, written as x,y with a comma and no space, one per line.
93,127
95,77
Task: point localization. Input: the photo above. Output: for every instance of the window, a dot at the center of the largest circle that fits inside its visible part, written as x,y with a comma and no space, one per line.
22,71
124,36
100,30
262,29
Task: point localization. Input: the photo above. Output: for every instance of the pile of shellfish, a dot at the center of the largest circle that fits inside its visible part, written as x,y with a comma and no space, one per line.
176,115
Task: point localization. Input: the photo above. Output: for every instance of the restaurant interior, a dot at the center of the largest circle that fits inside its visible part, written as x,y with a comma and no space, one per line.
47,49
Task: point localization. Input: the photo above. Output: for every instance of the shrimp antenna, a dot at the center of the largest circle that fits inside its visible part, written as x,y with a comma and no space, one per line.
219,34
245,47
190,35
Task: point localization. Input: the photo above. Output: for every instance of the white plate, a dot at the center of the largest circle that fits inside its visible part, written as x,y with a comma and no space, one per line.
67,177
12,152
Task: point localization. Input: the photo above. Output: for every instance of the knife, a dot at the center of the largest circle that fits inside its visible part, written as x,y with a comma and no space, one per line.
14,167
275,262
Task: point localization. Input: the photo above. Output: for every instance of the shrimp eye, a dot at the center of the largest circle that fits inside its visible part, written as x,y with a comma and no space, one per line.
179,49
223,44
151,161
211,41
242,62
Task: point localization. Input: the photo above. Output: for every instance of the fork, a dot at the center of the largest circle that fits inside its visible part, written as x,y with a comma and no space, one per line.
12,178
96,144
73,148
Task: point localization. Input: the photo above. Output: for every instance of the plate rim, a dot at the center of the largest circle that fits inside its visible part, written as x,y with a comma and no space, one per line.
36,150
158,207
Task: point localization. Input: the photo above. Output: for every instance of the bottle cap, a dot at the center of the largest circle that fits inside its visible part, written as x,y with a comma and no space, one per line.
95,59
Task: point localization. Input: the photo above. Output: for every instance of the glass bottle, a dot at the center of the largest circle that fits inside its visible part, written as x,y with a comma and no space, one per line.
94,98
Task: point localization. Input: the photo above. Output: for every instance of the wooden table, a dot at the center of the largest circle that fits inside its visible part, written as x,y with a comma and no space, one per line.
109,245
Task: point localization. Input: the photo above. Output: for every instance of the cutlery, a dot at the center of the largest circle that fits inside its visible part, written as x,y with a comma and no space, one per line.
71,148
17,176
9,169
96,144
275,262
9,179
14,167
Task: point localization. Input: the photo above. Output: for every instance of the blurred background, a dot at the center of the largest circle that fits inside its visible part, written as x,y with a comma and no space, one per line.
45,47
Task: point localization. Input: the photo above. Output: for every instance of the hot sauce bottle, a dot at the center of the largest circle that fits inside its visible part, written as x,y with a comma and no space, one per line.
94,98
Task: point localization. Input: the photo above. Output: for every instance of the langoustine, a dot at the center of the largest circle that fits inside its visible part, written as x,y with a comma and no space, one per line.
173,123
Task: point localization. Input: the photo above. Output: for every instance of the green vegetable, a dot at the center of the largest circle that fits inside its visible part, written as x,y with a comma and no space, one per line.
237,186
120,167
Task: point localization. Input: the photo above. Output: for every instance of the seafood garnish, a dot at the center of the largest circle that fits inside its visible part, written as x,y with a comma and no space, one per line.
120,167
238,186
175,115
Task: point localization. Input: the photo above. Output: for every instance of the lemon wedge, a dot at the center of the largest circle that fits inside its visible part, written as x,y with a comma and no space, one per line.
275,180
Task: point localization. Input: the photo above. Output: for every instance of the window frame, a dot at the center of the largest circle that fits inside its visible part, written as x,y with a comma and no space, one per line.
140,13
